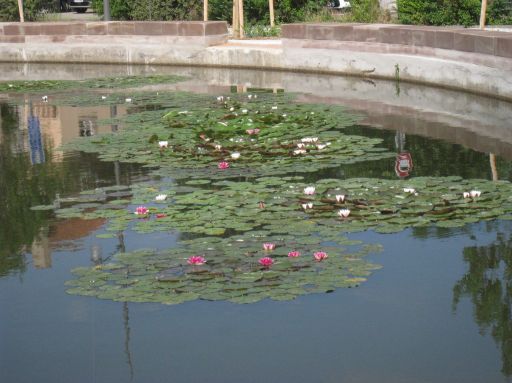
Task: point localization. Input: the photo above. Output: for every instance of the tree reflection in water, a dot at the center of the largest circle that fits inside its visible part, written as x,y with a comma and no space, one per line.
488,283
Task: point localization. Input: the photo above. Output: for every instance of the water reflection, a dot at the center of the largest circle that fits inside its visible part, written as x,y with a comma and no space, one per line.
488,284
33,173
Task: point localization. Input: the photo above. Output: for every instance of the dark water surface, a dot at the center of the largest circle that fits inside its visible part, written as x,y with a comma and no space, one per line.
438,311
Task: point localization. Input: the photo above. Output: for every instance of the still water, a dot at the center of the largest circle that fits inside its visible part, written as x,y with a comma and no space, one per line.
438,311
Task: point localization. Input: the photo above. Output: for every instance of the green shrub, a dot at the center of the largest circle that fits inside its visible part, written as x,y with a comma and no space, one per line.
439,12
500,12
31,9
365,11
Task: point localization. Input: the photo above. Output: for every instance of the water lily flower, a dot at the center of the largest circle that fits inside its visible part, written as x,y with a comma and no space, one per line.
223,165
293,254
196,260
266,261
340,197
261,204
244,111
44,98
163,144
222,123
249,96
128,100
320,146
252,131
269,246
235,155
103,97
344,213
475,193
10,85
220,98
308,205
299,151
284,115
218,147
409,190
320,256
274,107
310,190
466,195
161,215
141,210
309,139
231,109
300,145
161,197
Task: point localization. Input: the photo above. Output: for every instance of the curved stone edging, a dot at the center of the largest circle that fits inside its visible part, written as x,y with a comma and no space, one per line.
471,60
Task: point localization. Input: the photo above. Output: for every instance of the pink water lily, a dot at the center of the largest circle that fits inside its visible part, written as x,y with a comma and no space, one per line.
340,197
261,205
196,260
252,131
223,165
266,261
163,144
141,210
475,193
269,246
320,256
344,213
294,254
307,206
310,190
466,195
161,215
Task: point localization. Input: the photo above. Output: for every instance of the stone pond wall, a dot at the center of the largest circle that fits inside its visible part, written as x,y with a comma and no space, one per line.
470,59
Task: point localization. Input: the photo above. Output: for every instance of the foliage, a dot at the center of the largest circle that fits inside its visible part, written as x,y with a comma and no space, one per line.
32,9
500,12
259,30
365,11
152,9
439,12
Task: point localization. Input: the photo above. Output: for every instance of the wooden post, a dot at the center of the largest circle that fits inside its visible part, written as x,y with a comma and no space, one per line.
20,10
494,169
241,17
205,10
236,20
271,10
483,12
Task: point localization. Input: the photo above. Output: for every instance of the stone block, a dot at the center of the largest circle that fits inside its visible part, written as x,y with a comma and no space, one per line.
99,28
170,28
504,46
463,42
191,28
395,35
444,39
293,31
152,28
216,28
121,28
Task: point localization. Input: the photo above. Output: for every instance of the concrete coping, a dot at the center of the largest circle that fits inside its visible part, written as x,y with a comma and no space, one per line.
142,28
487,42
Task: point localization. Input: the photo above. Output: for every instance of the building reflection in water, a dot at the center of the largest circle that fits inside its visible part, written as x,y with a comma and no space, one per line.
488,284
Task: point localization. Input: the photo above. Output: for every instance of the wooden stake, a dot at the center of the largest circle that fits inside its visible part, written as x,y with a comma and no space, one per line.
494,169
483,12
271,10
205,10
241,17
20,10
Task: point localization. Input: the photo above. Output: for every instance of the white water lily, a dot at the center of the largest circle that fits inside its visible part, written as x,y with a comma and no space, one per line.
340,197
235,155
307,206
249,96
301,145
310,190
244,111
161,197
128,100
103,97
309,139
220,98
285,115
44,98
409,190
231,109
466,195
218,147
475,193
344,213
299,151
163,144
320,146
274,107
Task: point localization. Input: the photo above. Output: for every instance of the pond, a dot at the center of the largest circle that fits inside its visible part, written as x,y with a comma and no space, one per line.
203,225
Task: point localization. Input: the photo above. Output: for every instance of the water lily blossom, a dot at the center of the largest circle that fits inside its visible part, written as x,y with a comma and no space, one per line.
223,165
218,147
252,131
163,144
294,254
340,197
274,107
161,197
44,98
321,146
301,145
269,246
309,139
141,210
299,151
475,193
261,205
320,256
307,206
409,190
466,194
196,260
344,213
161,215
235,155
266,261
128,100
310,190
220,98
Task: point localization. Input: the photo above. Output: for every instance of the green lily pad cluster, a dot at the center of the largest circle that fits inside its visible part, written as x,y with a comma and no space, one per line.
90,84
231,271
269,136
